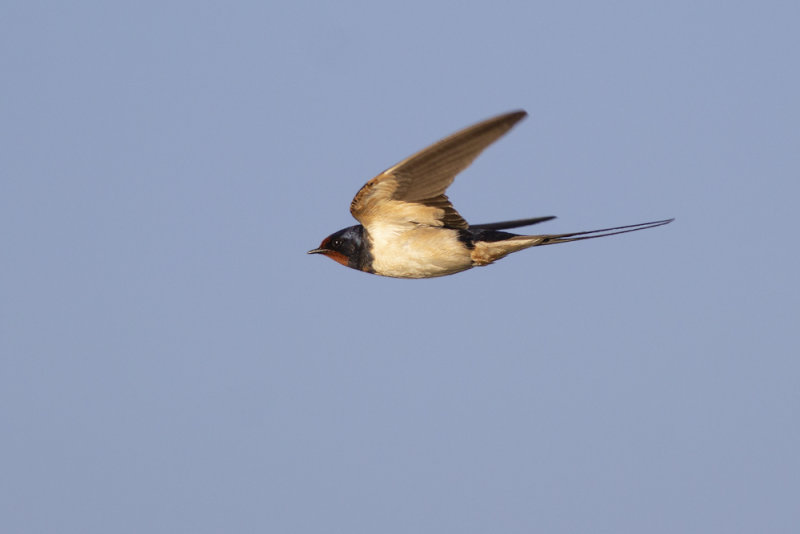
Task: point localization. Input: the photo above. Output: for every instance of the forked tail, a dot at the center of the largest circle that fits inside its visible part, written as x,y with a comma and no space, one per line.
485,252
554,239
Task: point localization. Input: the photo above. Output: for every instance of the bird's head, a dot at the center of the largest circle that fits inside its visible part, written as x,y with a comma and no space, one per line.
345,246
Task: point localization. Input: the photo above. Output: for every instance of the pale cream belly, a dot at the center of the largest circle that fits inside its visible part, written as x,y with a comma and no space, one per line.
418,252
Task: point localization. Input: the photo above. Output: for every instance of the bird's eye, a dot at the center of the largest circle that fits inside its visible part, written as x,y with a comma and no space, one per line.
337,242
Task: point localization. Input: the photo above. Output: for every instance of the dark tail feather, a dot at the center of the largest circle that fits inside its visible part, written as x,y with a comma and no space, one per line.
566,238
511,224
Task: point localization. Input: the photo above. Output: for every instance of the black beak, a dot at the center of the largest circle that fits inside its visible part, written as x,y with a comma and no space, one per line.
318,251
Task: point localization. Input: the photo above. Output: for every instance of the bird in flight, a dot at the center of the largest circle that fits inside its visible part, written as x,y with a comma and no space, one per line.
409,228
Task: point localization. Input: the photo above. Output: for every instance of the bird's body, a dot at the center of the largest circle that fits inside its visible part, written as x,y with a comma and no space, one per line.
419,252
409,228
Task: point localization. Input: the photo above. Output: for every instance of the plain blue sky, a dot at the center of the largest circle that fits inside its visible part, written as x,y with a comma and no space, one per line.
172,361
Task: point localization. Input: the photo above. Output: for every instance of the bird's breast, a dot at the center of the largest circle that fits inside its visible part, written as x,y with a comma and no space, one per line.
416,251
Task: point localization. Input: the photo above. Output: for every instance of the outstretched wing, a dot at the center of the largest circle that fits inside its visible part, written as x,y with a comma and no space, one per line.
511,224
413,190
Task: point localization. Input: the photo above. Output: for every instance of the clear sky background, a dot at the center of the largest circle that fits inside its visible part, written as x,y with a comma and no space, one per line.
172,361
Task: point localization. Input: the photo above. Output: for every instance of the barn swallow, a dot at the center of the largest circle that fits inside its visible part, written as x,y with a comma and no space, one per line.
409,228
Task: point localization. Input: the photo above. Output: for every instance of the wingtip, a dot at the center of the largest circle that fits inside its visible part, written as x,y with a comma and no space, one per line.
504,225
511,117
517,115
